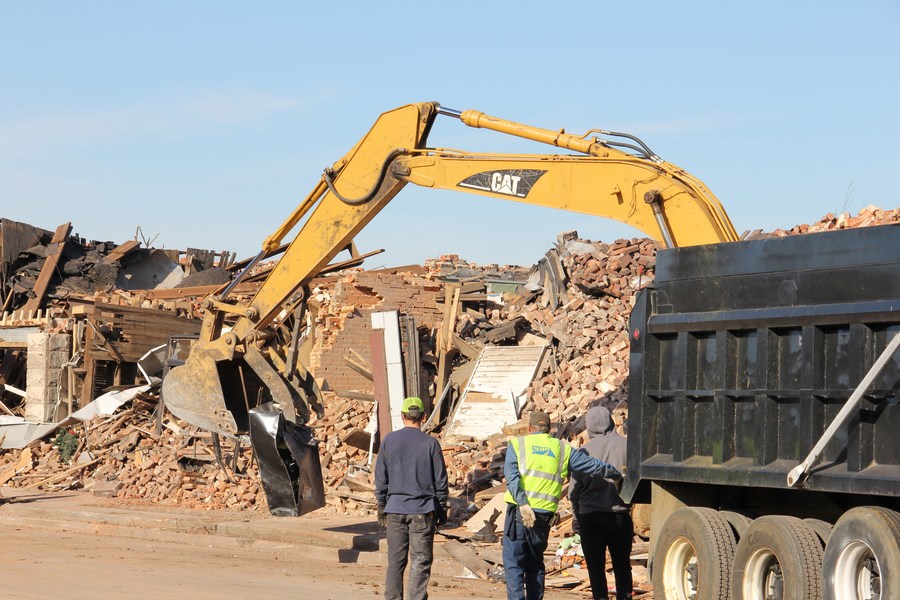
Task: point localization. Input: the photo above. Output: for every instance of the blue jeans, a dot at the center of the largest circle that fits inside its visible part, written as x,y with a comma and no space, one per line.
523,554
409,537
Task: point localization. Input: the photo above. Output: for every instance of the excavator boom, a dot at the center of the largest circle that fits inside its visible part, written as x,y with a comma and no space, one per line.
608,174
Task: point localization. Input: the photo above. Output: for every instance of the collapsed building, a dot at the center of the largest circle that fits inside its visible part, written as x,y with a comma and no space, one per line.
480,344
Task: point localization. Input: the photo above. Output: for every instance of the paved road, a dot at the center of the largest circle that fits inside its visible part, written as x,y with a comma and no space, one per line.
73,547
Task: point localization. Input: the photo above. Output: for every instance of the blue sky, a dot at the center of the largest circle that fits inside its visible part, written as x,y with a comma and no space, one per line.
204,123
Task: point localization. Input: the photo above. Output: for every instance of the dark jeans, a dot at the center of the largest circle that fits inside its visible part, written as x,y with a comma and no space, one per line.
409,536
602,530
523,554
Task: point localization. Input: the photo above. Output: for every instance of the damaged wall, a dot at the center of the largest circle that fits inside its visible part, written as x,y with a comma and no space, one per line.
47,355
343,320
61,284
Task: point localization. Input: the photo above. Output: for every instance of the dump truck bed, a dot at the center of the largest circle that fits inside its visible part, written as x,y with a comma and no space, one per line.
743,353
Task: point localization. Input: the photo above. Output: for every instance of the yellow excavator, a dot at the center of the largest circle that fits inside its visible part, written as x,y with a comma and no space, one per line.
233,369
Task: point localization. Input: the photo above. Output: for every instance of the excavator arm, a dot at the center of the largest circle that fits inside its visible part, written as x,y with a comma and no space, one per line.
639,189
229,371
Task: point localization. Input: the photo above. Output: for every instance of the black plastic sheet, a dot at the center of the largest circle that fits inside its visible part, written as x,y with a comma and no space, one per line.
289,464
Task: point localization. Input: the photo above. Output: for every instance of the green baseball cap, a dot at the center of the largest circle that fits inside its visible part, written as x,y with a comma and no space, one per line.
413,404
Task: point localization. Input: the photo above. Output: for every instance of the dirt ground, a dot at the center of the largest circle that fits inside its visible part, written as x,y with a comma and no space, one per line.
45,564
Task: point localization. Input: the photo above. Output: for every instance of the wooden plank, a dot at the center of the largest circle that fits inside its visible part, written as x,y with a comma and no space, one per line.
353,262
354,395
66,473
87,386
444,341
360,359
379,380
354,496
236,266
361,369
198,291
16,345
23,464
133,311
465,348
465,555
488,515
3,406
57,244
121,250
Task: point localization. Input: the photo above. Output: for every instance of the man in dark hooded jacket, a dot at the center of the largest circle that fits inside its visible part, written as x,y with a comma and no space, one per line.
604,520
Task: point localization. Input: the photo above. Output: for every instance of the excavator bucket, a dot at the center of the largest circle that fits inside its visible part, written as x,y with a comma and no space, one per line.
193,392
218,394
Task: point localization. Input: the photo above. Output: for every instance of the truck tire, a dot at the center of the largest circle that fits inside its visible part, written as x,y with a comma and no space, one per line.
822,529
739,523
694,552
778,558
862,557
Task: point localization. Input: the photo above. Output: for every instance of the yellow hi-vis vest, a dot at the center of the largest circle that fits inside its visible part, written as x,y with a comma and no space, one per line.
543,467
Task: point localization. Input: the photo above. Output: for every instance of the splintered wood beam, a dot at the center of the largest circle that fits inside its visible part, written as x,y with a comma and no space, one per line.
354,395
352,262
466,555
121,250
57,244
363,370
465,348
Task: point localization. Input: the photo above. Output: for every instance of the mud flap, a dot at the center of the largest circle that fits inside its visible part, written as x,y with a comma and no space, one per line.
289,466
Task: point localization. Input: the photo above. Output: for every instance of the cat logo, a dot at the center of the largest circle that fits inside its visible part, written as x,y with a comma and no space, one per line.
510,182
543,451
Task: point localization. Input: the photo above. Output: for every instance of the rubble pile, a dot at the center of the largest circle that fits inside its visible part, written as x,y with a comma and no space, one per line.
341,454
867,217
578,302
120,456
589,357
35,262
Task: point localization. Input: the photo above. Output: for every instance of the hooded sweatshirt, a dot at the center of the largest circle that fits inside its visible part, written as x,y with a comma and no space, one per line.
592,493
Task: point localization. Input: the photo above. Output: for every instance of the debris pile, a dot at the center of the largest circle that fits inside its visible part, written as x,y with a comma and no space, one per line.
867,217
106,305
122,456
577,301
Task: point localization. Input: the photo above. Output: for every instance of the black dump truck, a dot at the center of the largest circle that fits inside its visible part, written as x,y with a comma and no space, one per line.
764,418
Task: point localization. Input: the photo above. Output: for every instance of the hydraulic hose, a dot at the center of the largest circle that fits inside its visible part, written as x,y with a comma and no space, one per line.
330,175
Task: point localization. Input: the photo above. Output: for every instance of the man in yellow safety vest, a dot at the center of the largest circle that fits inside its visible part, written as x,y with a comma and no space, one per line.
536,467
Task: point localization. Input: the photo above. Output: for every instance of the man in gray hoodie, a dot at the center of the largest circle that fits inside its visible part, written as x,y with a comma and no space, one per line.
604,520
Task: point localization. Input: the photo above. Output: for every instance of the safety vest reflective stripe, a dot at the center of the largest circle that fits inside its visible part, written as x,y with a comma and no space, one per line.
540,496
563,451
521,441
542,475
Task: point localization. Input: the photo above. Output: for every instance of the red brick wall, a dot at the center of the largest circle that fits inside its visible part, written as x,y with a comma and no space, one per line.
344,320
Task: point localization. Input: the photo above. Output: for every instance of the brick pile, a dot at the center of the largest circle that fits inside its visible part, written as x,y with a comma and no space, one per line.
867,217
588,362
120,456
